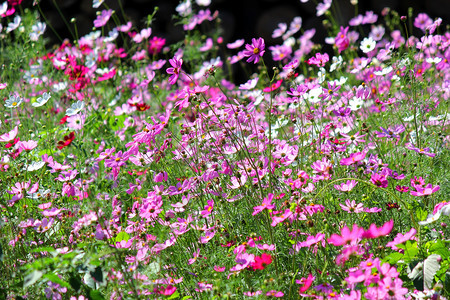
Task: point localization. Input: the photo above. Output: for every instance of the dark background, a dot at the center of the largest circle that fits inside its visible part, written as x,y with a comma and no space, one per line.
240,19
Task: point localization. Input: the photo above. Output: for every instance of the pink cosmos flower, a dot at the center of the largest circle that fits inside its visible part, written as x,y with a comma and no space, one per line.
219,269
276,294
204,286
352,207
424,151
353,138
252,294
243,260
427,190
209,234
208,209
330,92
175,69
266,204
235,44
28,145
347,236
374,232
379,180
341,40
319,60
254,51
422,21
354,158
346,186
9,136
103,18
305,282
195,255
401,238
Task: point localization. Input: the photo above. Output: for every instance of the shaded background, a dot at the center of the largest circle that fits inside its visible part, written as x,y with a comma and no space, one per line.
241,19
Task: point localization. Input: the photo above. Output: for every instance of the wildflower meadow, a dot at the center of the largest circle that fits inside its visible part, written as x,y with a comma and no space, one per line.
131,168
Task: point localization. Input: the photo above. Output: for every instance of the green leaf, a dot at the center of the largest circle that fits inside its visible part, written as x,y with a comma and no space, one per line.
174,295
95,295
411,251
439,248
43,249
421,214
32,278
122,236
393,258
55,279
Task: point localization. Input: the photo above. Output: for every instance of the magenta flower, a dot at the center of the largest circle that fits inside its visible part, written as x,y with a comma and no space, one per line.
254,51
175,69
103,18
379,180
354,158
319,60
401,238
276,294
424,151
209,234
374,232
208,209
266,204
427,190
330,92
402,189
341,40
347,236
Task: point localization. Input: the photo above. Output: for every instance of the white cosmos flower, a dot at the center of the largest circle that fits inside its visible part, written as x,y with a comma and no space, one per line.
75,108
3,7
13,101
37,30
445,210
35,165
41,100
97,3
13,25
384,71
59,86
367,45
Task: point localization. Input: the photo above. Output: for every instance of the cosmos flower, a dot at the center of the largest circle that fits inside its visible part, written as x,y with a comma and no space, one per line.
254,51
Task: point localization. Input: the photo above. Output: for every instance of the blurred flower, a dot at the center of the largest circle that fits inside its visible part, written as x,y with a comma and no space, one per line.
103,18
75,108
37,30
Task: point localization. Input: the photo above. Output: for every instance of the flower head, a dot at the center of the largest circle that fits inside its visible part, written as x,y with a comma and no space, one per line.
175,69
254,51
13,102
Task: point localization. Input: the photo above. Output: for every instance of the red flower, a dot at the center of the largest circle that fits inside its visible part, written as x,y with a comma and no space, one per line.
306,283
12,143
67,140
261,261
63,120
273,87
141,106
